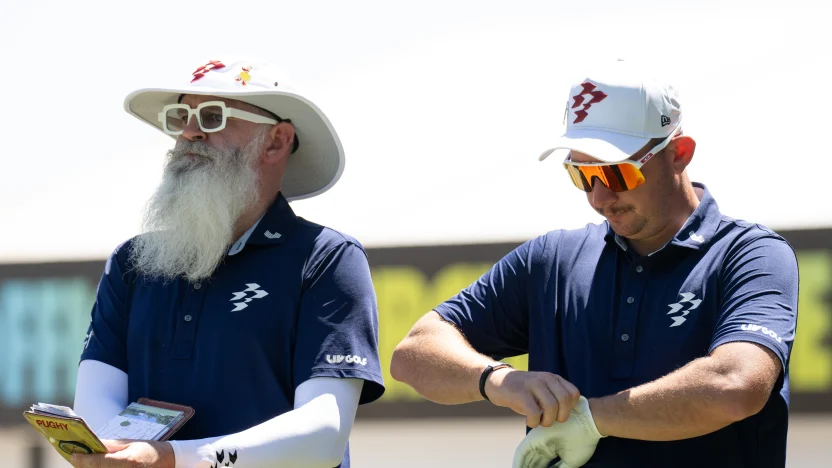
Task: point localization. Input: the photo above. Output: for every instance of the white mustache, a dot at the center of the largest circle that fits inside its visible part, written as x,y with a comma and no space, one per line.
190,154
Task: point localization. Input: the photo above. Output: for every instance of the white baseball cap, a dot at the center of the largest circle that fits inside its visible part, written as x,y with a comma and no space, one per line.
616,111
319,160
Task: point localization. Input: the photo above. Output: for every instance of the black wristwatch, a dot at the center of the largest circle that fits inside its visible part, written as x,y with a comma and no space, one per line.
488,370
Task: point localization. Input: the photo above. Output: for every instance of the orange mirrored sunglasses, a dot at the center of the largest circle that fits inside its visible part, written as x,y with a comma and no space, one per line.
618,177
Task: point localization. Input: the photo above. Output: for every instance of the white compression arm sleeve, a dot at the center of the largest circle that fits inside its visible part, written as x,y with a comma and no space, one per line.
314,434
100,393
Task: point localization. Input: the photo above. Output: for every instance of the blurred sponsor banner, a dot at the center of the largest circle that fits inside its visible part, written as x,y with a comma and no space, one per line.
45,310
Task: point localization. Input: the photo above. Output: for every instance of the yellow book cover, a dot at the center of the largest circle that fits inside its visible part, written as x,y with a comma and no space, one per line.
67,435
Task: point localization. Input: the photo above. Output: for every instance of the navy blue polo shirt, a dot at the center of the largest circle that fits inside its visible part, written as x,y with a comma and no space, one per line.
586,307
297,302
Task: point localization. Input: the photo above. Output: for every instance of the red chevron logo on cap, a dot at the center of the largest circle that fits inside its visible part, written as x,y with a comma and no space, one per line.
201,71
588,90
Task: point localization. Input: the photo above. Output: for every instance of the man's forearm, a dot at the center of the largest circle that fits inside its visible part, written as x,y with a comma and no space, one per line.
100,392
697,399
314,434
452,376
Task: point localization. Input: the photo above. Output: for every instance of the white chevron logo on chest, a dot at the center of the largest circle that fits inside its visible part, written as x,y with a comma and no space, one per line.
687,299
241,299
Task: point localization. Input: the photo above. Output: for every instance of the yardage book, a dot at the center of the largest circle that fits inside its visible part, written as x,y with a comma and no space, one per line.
143,420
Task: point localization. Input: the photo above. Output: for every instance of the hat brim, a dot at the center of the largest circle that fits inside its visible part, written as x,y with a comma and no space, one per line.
604,146
312,170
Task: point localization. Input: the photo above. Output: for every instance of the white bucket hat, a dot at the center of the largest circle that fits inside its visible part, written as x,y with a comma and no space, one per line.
615,111
319,160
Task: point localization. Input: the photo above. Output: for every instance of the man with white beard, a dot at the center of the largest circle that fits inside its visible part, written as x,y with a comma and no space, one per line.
265,323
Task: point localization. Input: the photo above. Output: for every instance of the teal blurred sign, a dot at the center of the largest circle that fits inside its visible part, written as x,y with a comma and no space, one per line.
42,325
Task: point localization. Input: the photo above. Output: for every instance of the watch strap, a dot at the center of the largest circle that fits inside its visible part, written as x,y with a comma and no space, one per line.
488,370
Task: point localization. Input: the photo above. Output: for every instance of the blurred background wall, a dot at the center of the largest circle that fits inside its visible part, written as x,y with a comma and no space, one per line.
44,309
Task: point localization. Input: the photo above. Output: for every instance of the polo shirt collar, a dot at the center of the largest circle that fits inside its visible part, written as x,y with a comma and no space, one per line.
276,224
697,232
241,242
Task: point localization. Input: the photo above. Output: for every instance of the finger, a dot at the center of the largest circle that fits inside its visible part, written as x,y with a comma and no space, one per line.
571,390
87,461
115,445
533,419
547,402
531,409
565,398
79,461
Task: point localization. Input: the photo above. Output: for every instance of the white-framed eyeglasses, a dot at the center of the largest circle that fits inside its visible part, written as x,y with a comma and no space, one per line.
211,115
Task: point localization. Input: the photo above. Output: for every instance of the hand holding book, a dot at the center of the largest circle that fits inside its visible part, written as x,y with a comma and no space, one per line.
128,454
146,420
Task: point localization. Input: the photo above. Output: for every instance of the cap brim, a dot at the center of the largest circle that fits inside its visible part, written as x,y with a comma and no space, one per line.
604,146
314,168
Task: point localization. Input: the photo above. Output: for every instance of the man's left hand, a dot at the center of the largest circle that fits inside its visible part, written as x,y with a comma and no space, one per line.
129,454
574,441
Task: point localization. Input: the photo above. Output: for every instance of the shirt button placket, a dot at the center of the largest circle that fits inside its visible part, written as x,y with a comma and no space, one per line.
186,329
627,323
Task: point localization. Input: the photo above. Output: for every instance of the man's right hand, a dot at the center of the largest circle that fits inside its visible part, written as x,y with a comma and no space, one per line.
540,396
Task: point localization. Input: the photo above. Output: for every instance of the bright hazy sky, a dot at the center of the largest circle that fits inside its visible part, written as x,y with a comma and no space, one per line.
442,107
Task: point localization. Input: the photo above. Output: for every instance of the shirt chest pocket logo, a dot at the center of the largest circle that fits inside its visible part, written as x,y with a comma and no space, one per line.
242,298
685,305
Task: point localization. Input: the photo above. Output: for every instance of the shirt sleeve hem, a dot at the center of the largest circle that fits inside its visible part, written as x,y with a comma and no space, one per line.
369,393
101,357
447,313
751,337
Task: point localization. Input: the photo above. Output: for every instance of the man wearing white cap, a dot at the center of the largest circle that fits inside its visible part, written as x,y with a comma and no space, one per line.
660,337
265,323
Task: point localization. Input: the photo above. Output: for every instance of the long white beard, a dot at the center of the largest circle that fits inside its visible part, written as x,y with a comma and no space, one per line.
189,221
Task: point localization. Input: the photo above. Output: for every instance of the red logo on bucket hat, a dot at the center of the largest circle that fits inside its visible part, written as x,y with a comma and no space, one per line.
201,71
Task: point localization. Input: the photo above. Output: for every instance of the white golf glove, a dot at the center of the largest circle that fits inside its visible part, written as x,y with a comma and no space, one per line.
574,441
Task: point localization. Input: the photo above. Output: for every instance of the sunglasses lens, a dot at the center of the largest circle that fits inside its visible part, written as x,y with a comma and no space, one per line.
578,178
624,177
176,119
616,177
211,117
